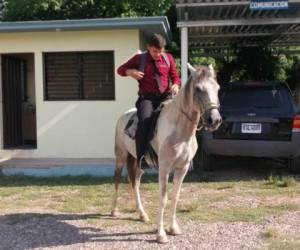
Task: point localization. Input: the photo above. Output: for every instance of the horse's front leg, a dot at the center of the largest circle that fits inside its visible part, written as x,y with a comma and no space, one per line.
177,181
163,181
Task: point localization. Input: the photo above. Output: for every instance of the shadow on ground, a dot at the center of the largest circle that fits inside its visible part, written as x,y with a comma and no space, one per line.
33,230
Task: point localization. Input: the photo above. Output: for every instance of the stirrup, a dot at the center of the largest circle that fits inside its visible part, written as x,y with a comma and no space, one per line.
143,163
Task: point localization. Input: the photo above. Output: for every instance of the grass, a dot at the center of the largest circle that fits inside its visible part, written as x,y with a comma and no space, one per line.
277,241
207,214
271,233
203,199
87,194
279,181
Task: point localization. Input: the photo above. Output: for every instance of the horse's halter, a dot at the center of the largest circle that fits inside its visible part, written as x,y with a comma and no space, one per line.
204,110
210,107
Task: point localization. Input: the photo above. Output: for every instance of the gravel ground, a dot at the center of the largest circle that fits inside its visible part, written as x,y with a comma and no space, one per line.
39,229
60,231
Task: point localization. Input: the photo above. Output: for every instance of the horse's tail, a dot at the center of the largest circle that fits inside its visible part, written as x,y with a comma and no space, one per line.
131,169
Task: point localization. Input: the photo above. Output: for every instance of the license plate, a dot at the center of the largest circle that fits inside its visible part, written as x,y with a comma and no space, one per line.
251,128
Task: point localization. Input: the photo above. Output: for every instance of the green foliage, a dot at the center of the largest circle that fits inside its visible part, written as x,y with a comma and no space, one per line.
232,65
293,72
1,8
257,63
203,61
24,10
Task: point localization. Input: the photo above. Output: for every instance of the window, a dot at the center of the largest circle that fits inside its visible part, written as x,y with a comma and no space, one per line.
79,75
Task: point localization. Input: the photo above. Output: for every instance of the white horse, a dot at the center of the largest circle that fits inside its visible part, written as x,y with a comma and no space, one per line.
175,142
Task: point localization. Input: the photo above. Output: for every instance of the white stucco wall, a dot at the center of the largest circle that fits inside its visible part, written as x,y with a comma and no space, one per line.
1,107
74,129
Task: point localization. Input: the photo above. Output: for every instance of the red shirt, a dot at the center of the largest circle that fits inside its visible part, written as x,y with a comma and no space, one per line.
148,83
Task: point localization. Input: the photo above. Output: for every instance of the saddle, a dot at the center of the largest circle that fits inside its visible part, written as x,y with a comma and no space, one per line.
131,128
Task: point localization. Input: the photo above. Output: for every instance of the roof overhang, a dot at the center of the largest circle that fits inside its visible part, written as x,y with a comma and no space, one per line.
227,23
147,25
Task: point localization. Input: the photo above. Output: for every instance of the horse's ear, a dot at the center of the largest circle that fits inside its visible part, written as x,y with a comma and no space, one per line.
192,70
211,70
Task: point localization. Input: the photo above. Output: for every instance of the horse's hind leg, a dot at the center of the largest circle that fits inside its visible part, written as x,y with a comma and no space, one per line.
135,174
163,181
178,179
120,162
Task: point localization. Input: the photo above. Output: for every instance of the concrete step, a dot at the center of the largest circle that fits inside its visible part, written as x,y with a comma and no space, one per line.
58,167
46,167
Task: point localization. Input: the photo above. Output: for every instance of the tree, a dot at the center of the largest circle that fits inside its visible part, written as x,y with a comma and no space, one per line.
25,10
258,63
293,73
1,8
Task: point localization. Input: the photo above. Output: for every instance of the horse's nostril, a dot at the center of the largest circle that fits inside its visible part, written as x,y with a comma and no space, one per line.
209,121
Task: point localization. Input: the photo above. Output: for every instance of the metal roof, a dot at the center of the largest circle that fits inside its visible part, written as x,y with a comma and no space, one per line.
147,25
226,23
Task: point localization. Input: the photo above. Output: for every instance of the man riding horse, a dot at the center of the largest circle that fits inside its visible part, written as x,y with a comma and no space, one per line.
175,142
152,70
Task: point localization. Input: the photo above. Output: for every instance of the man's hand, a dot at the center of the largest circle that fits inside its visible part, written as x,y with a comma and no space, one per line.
175,89
136,74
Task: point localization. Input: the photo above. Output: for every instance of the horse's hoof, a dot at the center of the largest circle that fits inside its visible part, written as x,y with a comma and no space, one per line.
114,213
174,231
144,218
162,239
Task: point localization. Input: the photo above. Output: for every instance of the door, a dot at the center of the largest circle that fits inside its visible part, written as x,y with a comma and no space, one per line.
12,87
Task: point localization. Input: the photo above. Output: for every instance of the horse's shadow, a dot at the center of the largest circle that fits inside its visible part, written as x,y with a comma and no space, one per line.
34,230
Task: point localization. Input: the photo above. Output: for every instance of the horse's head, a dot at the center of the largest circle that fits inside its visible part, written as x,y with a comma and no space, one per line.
204,90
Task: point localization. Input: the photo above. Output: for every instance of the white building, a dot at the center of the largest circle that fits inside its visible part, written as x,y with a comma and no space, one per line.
60,95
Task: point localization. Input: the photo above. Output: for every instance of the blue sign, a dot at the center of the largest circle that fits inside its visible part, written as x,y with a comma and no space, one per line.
269,4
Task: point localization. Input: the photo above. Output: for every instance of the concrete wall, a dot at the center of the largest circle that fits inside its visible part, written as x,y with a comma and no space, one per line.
74,129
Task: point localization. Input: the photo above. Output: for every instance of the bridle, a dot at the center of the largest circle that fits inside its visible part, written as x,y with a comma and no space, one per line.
203,111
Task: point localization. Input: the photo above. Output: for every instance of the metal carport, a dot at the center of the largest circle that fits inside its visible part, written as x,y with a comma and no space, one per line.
226,23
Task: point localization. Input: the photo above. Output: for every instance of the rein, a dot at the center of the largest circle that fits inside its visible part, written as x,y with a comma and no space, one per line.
201,122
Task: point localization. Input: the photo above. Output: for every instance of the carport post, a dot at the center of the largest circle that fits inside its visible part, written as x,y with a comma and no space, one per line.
298,94
1,105
184,54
